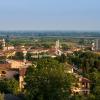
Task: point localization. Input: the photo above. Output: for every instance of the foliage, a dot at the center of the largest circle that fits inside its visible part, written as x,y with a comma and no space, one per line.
2,59
19,56
47,81
89,62
1,96
65,47
62,58
95,83
29,56
85,61
45,45
9,86
78,97
82,97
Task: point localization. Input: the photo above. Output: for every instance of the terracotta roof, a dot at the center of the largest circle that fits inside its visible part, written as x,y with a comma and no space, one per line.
38,49
19,50
9,51
22,61
5,65
85,80
52,50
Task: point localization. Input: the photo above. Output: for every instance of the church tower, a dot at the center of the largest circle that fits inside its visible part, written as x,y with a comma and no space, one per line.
3,44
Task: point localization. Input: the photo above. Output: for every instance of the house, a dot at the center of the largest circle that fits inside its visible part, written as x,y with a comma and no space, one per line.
9,53
82,86
10,68
6,71
22,72
16,64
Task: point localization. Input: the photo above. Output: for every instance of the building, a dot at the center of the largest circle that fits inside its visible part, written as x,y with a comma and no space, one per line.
82,86
6,71
57,48
97,45
22,72
93,46
6,46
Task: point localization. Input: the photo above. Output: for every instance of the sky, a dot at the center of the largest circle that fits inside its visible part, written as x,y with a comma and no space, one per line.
50,15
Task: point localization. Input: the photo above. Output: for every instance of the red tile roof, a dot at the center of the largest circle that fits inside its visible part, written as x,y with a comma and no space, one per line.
85,80
5,65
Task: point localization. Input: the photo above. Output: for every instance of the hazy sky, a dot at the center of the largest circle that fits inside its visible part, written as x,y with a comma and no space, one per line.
49,14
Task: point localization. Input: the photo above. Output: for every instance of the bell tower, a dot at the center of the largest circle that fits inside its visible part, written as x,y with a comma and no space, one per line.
3,44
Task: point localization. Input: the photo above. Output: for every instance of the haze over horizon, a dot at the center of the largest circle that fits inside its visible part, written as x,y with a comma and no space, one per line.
50,15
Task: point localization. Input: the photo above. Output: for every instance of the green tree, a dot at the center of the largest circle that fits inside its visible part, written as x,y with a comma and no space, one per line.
9,86
78,97
2,59
19,56
91,97
3,86
29,56
1,96
12,86
95,83
62,58
48,81
46,45
65,47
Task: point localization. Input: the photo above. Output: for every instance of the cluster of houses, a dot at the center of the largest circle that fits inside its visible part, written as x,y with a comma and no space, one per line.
82,84
11,67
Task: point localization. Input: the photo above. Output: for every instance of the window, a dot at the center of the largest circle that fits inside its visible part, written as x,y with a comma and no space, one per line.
3,72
